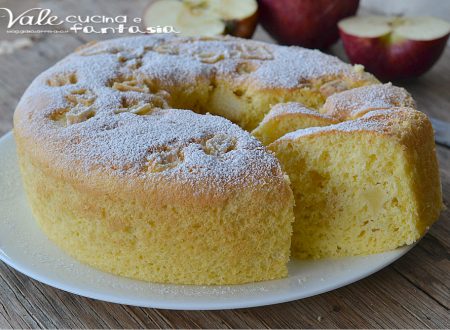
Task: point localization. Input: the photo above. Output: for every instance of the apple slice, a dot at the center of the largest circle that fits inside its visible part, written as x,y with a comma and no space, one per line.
205,17
394,48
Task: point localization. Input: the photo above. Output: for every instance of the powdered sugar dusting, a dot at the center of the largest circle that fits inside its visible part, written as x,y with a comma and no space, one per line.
134,140
294,66
356,102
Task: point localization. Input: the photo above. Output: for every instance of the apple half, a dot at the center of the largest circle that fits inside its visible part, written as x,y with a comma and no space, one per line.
394,48
205,17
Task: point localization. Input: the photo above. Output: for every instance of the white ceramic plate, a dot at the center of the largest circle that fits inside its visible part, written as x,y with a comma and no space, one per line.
24,247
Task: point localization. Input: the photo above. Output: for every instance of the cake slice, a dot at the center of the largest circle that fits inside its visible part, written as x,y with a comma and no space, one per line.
363,186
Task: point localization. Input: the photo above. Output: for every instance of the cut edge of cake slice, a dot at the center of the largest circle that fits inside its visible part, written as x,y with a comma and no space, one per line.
363,186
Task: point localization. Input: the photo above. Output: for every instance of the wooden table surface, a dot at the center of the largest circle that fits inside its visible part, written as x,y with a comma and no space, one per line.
414,292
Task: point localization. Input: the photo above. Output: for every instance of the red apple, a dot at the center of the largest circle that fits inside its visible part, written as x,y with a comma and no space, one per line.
307,23
394,48
205,17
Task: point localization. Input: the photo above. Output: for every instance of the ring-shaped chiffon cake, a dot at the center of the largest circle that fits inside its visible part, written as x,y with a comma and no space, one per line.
136,160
